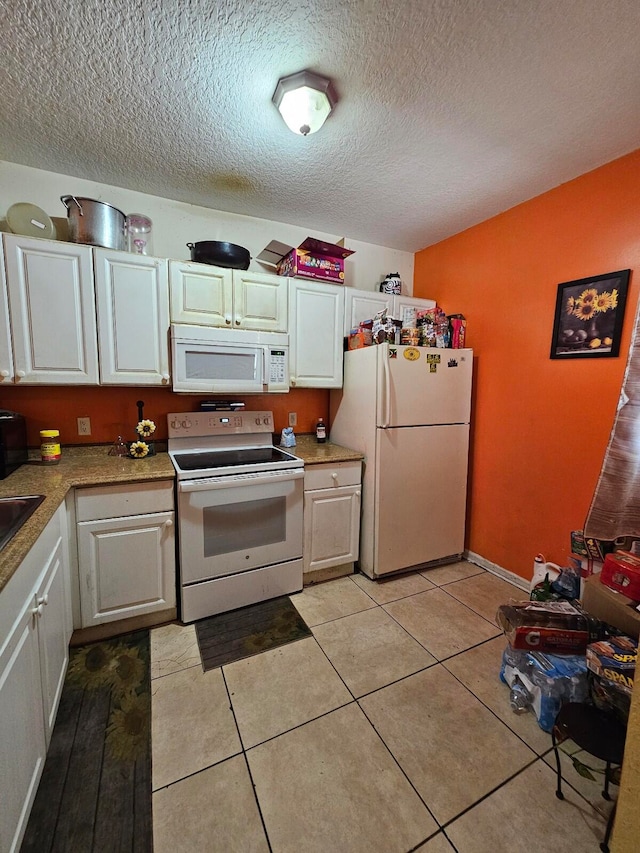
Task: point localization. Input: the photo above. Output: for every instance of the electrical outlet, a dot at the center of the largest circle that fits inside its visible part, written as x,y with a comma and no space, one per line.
84,426
293,419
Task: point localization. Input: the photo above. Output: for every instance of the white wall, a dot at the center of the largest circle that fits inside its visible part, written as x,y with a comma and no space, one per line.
176,223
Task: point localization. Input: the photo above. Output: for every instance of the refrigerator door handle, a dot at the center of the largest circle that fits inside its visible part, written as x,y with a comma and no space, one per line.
386,414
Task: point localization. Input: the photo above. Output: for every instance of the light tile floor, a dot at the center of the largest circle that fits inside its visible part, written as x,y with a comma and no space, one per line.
388,730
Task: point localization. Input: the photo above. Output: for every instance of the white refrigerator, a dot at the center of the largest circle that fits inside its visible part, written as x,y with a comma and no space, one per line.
407,409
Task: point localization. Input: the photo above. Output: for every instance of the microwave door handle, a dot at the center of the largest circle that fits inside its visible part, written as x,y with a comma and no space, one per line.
265,375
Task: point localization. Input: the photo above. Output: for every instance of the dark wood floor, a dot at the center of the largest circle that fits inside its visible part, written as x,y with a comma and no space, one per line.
95,792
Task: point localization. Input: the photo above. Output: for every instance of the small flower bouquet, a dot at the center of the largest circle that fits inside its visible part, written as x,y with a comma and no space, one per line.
143,447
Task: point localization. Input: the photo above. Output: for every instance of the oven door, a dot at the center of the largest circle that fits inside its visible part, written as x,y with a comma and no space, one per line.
232,524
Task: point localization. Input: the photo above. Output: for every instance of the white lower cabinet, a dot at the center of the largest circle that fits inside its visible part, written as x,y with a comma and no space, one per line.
35,607
126,551
331,516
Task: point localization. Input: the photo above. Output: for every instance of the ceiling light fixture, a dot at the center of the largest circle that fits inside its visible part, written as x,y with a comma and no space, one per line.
305,101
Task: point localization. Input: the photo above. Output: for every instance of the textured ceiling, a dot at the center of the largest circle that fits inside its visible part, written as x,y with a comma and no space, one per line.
450,111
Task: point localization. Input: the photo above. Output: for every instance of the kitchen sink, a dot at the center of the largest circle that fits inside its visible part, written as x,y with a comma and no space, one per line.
13,514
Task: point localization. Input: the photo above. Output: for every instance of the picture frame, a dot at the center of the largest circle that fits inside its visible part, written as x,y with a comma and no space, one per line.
589,315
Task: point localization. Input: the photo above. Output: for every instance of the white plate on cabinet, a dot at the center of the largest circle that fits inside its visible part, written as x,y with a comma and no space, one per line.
30,221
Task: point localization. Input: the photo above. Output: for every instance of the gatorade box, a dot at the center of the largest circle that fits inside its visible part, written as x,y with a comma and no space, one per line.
558,627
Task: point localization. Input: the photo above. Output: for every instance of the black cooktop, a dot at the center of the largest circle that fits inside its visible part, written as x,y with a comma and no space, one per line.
212,459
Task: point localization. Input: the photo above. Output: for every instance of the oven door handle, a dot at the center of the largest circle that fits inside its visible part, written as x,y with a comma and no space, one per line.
263,478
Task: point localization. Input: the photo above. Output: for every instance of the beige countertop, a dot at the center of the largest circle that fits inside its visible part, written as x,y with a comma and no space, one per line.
307,448
92,466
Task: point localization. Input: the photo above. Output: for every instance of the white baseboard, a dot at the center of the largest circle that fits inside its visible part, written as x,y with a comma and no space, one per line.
505,574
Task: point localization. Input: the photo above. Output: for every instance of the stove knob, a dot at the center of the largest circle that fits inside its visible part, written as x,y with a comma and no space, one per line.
266,420
258,421
175,424
187,424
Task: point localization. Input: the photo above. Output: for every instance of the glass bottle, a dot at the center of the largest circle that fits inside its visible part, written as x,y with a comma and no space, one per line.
321,431
139,234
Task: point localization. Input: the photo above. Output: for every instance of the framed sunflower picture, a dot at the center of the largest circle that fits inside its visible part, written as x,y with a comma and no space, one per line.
589,315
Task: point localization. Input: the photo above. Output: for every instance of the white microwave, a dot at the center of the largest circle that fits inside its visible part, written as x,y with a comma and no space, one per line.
210,360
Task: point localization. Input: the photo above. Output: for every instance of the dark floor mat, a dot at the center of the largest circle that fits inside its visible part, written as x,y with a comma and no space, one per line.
95,789
248,631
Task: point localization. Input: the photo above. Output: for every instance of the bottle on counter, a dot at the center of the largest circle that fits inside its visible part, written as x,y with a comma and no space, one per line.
321,431
50,446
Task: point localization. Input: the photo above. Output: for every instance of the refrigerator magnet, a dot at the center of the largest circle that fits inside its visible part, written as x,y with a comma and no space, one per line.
412,353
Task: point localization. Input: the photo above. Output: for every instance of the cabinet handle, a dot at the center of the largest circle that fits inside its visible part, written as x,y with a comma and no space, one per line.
168,522
165,377
292,380
4,373
21,374
39,610
44,599
227,320
358,493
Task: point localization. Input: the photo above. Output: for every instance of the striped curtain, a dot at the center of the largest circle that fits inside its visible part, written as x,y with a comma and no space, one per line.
615,507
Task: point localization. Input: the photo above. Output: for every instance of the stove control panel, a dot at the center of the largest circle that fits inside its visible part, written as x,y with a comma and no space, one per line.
192,424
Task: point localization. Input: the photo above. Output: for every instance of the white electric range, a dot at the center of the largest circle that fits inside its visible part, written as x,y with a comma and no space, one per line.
240,502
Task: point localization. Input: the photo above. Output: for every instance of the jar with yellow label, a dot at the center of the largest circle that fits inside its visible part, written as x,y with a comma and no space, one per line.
50,446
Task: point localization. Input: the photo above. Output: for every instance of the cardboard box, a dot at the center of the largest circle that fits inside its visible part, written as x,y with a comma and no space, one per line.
611,607
614,660
587,546
558,627
312,259
621,572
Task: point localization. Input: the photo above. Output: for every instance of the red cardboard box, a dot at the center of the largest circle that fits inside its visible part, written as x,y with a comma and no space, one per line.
557,627
621,572
313,259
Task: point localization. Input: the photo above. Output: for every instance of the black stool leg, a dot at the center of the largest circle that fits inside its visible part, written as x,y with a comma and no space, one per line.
604,846
605,793
559,793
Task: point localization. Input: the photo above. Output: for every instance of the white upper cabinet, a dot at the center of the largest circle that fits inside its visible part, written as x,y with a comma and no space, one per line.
52,312
400,303
316,318
205,295
132,296
364,305
7,374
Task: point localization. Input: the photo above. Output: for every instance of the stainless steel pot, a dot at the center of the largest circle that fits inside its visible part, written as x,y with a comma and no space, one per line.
95,222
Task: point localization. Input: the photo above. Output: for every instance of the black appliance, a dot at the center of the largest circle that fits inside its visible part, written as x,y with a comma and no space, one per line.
13,442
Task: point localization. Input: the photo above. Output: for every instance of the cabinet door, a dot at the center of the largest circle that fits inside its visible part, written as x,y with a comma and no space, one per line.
22,740
52,311
316,317
132,295
6,353
127,567
410,303
259,301
53,607
362,305
331,527
201,295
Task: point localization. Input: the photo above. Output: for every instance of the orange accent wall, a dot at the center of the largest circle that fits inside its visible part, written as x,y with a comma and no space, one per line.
113,411
540,426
